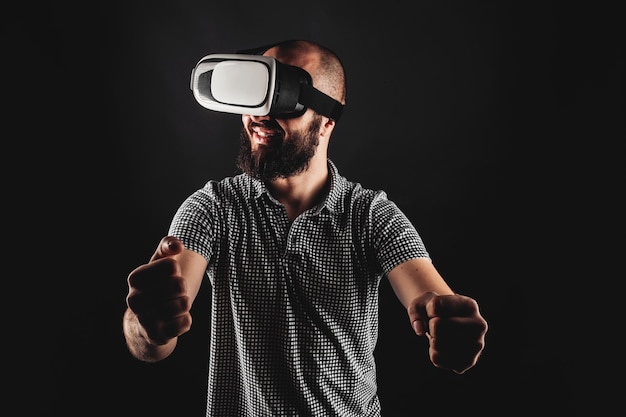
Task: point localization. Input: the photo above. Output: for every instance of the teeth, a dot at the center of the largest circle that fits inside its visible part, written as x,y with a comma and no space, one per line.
262,133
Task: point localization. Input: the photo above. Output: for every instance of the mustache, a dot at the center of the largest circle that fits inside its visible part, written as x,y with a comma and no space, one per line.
267,124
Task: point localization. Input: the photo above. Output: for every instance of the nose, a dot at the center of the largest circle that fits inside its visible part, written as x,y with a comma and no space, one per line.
259,118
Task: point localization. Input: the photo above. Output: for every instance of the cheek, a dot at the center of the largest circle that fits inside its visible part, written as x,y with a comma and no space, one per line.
298,124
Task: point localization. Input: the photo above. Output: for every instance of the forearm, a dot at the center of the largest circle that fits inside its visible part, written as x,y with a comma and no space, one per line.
139,345
415,277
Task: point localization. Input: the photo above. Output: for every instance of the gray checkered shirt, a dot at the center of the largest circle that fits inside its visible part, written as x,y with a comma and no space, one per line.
294,318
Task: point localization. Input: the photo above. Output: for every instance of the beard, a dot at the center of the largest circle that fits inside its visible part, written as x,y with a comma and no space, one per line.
288,158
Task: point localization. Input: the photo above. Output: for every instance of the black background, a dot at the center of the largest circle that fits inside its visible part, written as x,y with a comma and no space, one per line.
498,127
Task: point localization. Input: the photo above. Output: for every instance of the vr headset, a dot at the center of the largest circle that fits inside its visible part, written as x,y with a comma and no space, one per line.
257,85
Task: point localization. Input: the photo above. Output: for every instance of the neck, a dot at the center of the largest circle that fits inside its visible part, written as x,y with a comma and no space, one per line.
303,191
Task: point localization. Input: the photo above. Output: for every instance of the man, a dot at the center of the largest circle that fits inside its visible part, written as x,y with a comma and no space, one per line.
294,253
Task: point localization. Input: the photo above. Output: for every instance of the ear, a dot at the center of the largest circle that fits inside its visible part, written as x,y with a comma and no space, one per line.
327,128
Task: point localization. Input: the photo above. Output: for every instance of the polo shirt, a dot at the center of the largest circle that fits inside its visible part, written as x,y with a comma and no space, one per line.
294,308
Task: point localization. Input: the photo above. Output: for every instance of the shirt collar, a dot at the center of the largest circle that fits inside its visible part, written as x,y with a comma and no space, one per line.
333,200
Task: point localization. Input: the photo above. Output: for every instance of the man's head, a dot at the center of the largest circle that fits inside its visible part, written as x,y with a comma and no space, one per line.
278,148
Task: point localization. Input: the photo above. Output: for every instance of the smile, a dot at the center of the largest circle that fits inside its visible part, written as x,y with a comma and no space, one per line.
264,136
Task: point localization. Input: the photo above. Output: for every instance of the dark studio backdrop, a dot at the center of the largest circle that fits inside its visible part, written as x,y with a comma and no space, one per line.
498,128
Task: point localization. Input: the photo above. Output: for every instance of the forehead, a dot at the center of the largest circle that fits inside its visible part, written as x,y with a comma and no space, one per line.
296,57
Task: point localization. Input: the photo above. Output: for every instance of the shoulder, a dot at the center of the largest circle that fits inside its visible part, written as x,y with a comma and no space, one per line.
228,189
344,191
343,184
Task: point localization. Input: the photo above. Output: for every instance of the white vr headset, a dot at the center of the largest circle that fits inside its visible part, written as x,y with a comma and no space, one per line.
258,85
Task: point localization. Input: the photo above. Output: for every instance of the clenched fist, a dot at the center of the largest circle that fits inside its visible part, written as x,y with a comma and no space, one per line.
454,327
157,294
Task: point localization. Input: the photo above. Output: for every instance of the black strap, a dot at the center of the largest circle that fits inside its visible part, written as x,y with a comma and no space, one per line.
323,104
